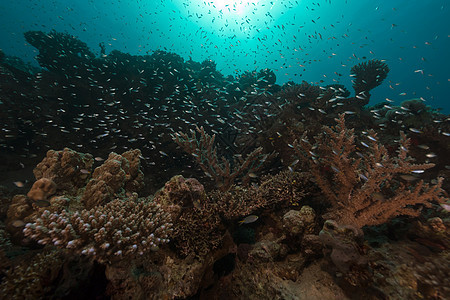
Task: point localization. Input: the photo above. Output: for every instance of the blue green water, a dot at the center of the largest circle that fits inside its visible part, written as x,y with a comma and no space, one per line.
300,40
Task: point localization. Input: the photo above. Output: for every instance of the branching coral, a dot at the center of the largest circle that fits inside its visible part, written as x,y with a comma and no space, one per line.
368,75
238,201
365,188
196,220
223,172
198,231
117,229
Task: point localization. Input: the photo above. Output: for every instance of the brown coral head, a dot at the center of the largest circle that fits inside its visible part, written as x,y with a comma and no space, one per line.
181,191
42,189
368,75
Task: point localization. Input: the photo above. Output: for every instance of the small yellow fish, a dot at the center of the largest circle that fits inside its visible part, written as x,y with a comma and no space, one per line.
378,196
18,223
19,184
424,147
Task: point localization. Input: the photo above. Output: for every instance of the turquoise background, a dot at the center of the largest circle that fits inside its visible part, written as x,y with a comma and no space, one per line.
300,40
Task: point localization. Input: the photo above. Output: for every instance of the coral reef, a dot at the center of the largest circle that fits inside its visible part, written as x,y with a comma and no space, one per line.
257,232
362,187
412,268
432,276
119,228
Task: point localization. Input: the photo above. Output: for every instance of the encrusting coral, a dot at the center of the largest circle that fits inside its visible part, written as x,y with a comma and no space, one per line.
365,188
222,171
120,228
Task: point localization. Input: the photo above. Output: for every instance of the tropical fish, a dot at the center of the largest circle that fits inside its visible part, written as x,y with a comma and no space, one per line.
19,184
249,219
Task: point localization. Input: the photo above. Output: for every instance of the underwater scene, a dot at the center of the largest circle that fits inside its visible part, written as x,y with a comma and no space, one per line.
224,149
